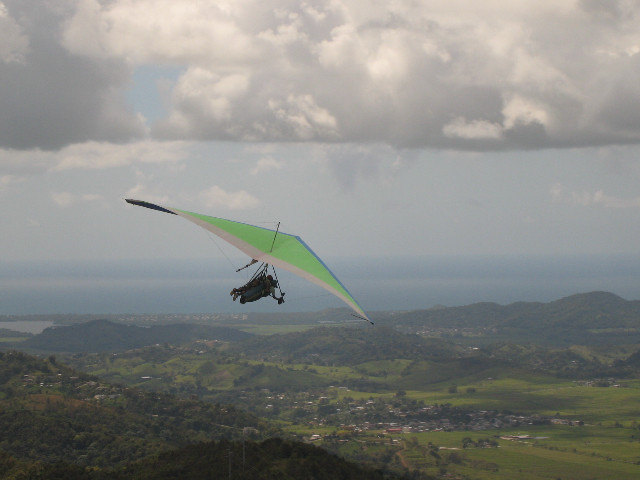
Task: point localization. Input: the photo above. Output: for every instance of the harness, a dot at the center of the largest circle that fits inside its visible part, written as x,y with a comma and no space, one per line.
260,277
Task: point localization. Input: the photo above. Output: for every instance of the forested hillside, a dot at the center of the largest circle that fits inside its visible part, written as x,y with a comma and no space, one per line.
50,412
59,423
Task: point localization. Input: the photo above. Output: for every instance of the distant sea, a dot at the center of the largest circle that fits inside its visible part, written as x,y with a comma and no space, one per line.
385,283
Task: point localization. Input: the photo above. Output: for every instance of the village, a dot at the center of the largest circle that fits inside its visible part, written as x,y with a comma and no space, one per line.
335,408
391,415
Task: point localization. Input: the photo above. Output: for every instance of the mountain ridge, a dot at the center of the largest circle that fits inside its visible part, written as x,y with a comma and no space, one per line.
593,317
105,336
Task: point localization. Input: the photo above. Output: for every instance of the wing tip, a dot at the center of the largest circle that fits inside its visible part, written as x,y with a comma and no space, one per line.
362,317
152,206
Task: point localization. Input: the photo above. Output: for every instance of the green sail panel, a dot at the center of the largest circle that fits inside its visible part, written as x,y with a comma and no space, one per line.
279,249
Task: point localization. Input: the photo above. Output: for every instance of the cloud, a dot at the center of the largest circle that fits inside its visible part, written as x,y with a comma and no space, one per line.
478,129
14,44
357,73
67,199
6,180
50,98
437,74
20,164
267,165
102,155
560,194
302,118
142,192
353,163
164,31
218,197
17,166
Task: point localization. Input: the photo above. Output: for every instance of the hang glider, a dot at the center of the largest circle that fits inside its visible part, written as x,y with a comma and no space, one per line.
272,247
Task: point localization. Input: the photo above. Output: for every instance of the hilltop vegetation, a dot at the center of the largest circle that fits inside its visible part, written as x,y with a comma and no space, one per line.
272,459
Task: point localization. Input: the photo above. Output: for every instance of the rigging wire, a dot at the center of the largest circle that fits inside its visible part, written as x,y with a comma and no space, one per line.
275,275
274,237
231,263
212,238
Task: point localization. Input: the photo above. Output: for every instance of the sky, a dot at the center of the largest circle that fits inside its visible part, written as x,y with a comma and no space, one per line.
431,152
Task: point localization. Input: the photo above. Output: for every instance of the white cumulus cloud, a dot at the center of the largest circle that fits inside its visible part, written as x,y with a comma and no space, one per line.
267,165
102,155
599,198
66,199
480,129
437,74
14,44
218,197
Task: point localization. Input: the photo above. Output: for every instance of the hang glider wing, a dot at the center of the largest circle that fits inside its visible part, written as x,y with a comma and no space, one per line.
281,250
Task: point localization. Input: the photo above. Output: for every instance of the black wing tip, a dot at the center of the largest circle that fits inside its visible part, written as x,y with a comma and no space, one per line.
362,318
152,206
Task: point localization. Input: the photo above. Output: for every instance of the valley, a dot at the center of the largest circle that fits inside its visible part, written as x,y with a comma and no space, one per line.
412,405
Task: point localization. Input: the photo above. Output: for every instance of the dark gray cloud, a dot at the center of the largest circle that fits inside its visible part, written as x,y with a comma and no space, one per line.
50,98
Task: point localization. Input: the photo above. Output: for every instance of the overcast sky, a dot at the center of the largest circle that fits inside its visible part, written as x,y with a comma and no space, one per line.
372,129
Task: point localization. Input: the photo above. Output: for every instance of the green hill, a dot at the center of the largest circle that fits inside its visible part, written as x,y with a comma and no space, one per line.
343,346
589,319
58,423
50,412
108,336
272,459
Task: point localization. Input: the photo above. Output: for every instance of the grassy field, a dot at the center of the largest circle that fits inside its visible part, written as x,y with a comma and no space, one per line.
588,452
12,339
529,393
534,463
546,396
606,446
549,452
